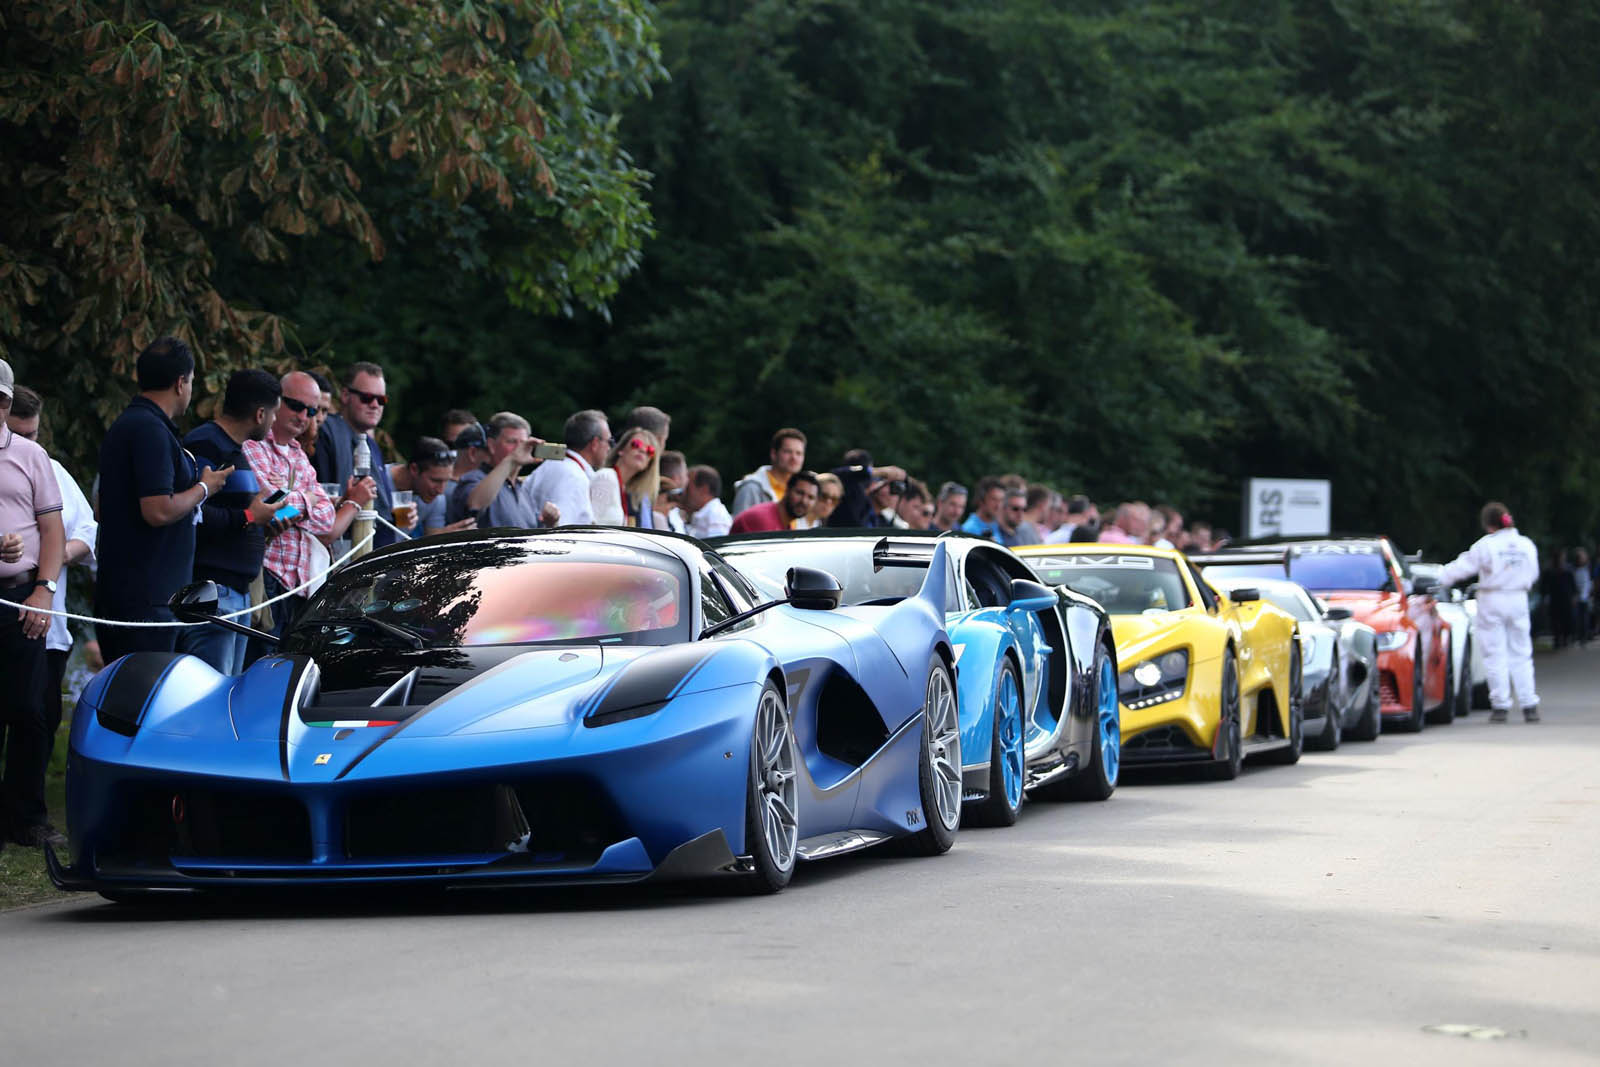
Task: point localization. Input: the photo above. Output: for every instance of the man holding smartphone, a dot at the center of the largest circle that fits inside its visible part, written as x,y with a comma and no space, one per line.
231,538
495,491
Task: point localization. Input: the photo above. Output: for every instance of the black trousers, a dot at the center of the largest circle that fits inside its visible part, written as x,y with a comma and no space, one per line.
118,641
22,721
55,672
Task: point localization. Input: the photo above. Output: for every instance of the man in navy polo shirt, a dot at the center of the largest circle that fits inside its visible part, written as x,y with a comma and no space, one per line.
231,537
150,493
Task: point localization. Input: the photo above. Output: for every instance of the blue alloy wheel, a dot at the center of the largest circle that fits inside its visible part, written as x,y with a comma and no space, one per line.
1011,738
1006,756
1110,721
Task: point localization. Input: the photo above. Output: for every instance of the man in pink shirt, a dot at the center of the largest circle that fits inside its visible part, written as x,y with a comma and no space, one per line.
1130,526
32,550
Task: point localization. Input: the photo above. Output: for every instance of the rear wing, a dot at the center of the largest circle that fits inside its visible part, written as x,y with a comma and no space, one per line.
1278,556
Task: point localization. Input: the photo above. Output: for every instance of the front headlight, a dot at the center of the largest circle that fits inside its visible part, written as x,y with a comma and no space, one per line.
1389,640
1155,681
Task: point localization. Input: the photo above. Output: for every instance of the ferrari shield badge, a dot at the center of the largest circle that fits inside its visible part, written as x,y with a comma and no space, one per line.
323,757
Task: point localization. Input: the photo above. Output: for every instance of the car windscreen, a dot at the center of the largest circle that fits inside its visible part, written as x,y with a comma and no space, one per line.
1122,584
767,563
1329,568
537,591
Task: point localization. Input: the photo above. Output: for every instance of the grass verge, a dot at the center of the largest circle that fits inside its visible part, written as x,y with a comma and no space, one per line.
22,877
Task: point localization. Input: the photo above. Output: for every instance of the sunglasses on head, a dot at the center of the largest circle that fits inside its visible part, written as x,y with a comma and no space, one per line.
379,399
435,457
298,405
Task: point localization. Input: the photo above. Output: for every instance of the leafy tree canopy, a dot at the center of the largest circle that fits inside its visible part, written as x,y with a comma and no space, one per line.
158,152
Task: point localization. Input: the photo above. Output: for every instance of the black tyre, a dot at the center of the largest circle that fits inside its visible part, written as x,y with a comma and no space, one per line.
1332,723
1371,724
1445,713
772,798
939,767
1464,688
1412,723
1230,744
1291,721
1006,768
1098,780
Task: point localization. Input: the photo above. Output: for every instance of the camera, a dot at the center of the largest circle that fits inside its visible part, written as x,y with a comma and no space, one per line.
898,488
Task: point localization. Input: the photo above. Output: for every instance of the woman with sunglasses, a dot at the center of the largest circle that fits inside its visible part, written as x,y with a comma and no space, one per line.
622,492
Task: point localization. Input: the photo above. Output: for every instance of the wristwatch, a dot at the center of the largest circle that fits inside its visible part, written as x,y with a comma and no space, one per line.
48,583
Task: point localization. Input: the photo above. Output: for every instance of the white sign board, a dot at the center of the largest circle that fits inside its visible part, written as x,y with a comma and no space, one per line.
1287,507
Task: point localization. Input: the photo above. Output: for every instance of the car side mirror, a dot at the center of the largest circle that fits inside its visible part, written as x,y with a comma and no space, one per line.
1030,596
1338,614
807,587
195,602
1247,595
1421,586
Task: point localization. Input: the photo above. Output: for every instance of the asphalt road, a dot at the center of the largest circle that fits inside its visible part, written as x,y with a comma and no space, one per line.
1324,913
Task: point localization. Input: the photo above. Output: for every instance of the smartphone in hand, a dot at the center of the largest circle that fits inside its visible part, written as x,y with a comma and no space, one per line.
550,450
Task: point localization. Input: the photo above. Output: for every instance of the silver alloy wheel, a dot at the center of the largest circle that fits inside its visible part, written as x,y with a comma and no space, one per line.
942,734
778,787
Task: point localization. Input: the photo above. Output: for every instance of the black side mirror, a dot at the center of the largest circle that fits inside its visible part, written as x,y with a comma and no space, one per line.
810,588
195,602
1423,586
1338,614
1245,595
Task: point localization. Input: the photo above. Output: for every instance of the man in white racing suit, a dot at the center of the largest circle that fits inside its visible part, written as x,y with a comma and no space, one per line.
1507,565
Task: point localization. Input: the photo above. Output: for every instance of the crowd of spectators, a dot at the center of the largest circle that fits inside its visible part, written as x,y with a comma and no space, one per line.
262,498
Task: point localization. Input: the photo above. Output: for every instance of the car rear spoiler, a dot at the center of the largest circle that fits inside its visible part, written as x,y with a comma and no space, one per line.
1280,556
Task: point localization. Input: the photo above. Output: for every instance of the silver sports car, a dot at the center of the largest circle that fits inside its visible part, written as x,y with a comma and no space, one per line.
1339,658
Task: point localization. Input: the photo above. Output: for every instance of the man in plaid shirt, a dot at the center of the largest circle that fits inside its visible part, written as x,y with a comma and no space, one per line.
280,463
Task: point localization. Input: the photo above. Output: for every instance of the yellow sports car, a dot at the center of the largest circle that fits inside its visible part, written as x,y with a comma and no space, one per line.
1207,677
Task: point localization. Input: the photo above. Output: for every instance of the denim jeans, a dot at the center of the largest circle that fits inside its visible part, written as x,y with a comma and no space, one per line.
221,648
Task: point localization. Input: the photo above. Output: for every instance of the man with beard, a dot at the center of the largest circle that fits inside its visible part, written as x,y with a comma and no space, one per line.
231,537
790,513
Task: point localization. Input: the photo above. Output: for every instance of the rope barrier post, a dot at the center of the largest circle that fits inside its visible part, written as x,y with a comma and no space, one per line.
361,530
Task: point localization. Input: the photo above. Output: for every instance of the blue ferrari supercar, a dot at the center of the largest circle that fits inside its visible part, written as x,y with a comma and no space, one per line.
508,708
1037,667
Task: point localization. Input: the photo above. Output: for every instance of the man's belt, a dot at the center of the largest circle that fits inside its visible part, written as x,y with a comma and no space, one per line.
17,581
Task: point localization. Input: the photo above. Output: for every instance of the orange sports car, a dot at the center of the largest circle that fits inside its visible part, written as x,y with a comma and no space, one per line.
1368,576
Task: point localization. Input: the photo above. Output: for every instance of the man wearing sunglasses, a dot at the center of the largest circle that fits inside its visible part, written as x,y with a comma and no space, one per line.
362,402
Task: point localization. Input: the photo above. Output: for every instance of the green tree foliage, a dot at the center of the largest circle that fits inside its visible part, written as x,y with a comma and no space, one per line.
162,156
1141,249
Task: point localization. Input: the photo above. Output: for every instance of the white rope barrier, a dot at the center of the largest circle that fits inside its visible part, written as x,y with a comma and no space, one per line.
251,610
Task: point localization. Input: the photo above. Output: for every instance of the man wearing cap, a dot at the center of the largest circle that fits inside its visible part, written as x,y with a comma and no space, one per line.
32,547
